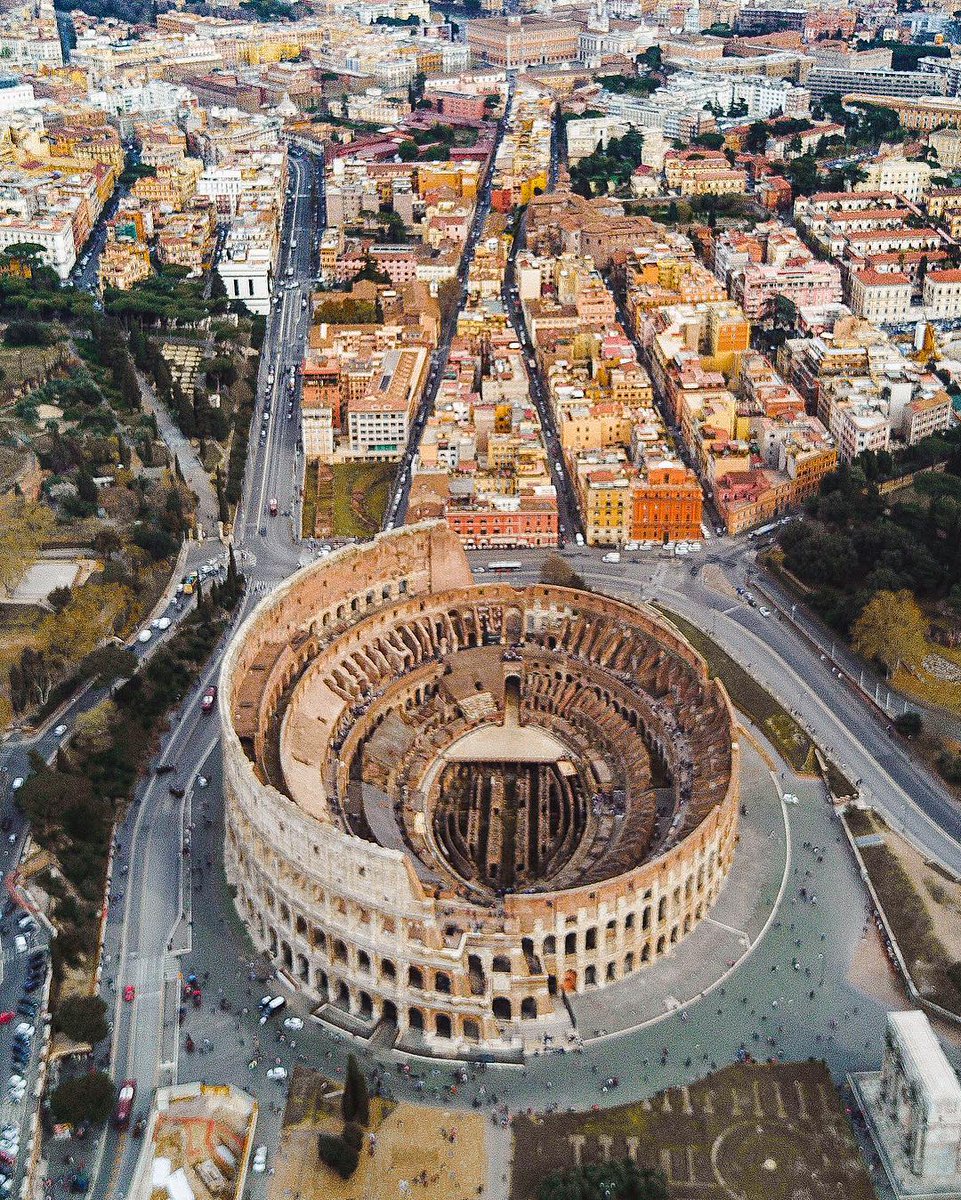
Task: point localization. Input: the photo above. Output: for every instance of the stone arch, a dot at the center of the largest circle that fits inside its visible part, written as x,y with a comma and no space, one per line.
590,976
415,977
415,1019
528,1008
286,955
501,1008
342,996
471,1031
442,983
365,1005
442,1025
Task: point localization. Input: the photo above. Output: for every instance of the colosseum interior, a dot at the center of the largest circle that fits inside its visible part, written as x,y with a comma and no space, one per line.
450,806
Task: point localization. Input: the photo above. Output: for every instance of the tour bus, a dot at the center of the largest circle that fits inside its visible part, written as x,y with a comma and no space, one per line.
504,566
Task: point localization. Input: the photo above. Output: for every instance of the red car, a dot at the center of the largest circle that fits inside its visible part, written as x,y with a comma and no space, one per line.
6,1017
129,993
208,699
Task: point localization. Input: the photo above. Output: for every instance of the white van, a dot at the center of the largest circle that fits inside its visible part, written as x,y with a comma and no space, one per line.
612,557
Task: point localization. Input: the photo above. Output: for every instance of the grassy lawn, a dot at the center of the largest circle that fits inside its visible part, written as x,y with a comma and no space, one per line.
750,698
758,1132
308,515
360,497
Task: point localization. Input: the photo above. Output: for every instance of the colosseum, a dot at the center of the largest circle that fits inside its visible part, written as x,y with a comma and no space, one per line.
452,807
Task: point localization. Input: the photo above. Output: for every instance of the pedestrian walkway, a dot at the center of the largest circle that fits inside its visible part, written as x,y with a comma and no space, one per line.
717,943
196,477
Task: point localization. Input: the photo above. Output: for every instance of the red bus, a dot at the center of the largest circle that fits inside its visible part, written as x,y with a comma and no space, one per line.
125,1099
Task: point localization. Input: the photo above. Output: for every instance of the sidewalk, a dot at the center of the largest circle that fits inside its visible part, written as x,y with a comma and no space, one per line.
208,511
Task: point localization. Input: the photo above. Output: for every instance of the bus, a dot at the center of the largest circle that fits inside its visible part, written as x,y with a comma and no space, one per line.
125,1099
504,566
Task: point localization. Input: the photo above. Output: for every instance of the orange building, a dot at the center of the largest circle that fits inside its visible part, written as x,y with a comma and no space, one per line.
667,505
532,523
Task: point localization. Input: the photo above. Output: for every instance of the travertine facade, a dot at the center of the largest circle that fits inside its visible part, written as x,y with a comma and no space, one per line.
447,804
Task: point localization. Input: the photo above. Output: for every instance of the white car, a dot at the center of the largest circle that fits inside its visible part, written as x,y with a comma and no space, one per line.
144,635
161,623
293,1023
765,612
26,1029
260,1160
60,731
202,781
278,1074
18,783
20,943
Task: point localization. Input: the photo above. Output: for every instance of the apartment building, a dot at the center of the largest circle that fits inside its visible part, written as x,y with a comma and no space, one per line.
941,295
879,297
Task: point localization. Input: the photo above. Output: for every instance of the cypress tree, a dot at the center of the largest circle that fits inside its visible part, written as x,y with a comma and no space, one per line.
355,1102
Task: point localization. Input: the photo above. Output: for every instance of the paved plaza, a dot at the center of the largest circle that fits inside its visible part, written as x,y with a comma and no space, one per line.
729,933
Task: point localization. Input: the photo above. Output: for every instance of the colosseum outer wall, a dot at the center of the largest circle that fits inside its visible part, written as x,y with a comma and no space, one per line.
348,920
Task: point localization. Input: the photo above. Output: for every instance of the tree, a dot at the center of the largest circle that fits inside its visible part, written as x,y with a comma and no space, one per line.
27,333
756,137
93,730
890,630
23,529
909,724
107,542
82,1019
59,598
558,572
355,1101
87,1098
86,488
334,1152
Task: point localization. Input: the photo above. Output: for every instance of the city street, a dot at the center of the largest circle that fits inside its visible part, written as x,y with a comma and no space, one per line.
801,990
